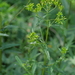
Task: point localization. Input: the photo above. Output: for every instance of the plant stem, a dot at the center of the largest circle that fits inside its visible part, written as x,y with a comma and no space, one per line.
0,43
47,21
47,33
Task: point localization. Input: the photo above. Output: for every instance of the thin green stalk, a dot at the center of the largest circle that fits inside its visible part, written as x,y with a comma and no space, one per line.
0,43
41,34
21,64
47,33
47,12
43,70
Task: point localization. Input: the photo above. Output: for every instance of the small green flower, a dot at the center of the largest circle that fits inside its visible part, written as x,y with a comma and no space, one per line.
60,18
60,7
33,38
59,14
38,8
63,50
56,3
30,6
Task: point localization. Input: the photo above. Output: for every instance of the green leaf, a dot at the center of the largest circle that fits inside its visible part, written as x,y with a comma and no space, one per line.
9,45
19,61
34,68
66,6
3,34
47,54
11,26
21,64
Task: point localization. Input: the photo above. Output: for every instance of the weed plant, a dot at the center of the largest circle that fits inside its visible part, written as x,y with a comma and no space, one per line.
42,62
37,38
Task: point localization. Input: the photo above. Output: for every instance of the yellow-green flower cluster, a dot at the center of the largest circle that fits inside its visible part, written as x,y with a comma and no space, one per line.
33,38
64,50
50,2
60,18
46,5
45,2
38,8
30,7
42,4
56,3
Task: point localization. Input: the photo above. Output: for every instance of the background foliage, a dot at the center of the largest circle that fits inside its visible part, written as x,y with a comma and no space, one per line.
18,23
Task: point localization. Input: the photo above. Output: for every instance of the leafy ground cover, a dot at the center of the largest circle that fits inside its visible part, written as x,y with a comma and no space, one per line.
37,37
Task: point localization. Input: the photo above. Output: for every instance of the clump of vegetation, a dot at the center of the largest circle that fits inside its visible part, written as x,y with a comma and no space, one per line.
44,58
37,38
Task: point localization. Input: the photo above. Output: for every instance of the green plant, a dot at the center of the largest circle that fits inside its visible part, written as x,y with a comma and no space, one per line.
41,37
1,41
47,65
